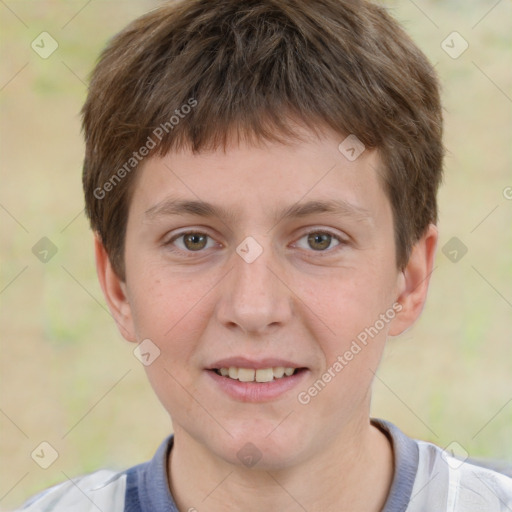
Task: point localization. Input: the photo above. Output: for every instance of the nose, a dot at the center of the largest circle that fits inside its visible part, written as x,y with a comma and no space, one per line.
254,296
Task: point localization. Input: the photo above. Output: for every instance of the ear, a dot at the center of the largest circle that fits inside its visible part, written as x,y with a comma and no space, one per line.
115,292
414,281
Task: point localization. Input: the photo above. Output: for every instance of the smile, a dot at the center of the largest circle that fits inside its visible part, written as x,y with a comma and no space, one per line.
257,384
255,375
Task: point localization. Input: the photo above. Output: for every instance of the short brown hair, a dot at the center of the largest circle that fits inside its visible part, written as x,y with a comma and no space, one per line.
249,67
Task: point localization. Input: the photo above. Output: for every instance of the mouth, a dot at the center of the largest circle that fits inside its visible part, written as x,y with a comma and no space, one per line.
259,375
257,385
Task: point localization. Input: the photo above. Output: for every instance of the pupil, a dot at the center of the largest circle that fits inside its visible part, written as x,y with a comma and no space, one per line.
326,240
193,238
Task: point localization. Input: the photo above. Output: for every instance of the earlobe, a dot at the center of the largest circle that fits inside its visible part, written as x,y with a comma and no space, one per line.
115,292
414,281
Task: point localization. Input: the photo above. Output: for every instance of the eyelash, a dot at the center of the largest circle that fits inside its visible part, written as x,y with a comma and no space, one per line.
342,241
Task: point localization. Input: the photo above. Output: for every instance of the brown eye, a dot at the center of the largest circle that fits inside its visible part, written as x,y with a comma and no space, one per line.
319,241
193,241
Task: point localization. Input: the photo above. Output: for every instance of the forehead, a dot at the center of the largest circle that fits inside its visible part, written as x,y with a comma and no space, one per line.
271,179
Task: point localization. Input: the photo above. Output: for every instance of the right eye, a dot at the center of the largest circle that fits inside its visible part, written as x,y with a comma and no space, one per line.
192,241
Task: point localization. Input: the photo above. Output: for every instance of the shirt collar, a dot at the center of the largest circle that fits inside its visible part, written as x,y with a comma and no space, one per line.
154,493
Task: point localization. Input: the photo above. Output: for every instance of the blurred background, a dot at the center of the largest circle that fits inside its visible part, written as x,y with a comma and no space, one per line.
70,380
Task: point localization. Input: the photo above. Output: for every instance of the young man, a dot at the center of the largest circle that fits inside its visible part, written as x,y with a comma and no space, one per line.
261,178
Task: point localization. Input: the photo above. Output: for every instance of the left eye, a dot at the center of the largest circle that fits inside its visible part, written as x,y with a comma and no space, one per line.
319,241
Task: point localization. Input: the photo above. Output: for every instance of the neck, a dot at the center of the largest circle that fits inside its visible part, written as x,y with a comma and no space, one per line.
355,473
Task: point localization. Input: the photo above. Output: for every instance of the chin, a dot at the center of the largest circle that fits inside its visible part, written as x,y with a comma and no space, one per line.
258,448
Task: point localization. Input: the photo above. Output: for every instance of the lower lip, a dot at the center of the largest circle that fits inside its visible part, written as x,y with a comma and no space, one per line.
257,391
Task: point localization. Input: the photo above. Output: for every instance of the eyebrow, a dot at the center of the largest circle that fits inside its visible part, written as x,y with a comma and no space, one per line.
171,206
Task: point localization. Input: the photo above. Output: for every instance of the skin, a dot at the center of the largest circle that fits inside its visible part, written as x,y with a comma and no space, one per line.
298,300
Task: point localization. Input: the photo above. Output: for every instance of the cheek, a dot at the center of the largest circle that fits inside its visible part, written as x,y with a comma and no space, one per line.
346,304
351,334
168,310
351,337
159,300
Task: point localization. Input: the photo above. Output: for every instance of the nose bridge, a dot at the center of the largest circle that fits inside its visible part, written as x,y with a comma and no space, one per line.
254,297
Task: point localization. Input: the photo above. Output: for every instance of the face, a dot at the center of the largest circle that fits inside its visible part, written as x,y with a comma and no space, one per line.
291,265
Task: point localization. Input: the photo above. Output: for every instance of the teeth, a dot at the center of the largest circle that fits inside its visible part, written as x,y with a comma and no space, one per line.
245,374
278,372
260,375
264,375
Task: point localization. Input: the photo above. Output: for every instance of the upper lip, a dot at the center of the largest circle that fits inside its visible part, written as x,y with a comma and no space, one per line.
243,362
